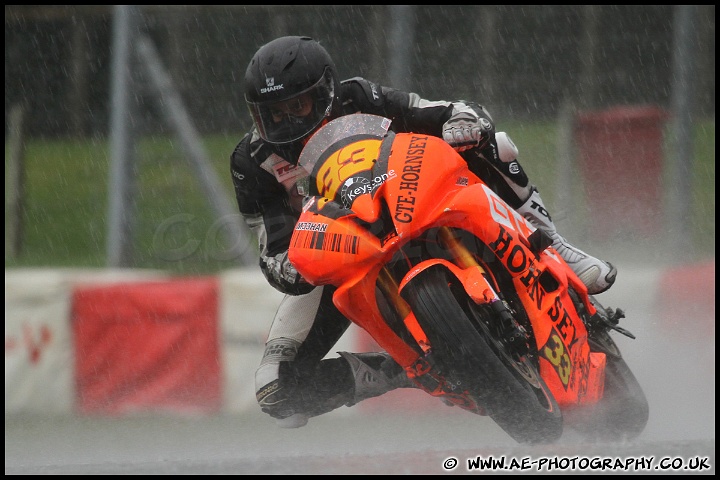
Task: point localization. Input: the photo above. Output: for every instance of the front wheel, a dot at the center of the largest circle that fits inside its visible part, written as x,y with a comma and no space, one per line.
509,389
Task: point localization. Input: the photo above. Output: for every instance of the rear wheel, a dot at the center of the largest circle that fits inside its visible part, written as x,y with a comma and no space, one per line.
623,412
507,386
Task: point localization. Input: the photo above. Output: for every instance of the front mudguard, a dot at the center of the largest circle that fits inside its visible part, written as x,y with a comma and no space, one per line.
473,279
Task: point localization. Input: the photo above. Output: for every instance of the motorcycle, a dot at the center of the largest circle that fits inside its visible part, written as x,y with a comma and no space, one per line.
462,291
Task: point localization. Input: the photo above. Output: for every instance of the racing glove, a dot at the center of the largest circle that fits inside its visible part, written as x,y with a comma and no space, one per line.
282,275
466,128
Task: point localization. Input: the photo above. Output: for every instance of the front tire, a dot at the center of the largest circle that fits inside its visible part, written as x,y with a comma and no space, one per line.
468,355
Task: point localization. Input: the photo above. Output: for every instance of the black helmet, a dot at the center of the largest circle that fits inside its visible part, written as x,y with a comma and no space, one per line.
293,69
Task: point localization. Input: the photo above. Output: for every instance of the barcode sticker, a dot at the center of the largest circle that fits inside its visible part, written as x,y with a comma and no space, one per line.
332,242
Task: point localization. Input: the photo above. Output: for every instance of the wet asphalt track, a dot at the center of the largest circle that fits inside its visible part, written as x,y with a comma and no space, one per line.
675,363
335,444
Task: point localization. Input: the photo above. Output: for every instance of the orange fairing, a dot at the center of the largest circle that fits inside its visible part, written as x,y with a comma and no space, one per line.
358,302
423,164
328,250
475,283
380,191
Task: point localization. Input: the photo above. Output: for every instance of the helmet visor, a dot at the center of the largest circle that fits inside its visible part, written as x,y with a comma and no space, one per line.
293,118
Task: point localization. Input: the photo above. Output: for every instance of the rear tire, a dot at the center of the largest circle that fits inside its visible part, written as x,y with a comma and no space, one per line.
513,394
623,412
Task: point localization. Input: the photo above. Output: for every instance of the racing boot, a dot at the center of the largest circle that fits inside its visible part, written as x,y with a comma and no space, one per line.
328,387
596,274
375,374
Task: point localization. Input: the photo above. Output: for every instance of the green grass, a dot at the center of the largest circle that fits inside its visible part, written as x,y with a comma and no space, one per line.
65,202
703,201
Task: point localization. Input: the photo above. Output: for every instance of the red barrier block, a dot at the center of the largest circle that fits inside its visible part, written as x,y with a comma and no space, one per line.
150,346
686,299
621,158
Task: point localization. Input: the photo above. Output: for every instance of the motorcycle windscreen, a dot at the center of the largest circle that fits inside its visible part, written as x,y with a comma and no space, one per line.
339,133
341,159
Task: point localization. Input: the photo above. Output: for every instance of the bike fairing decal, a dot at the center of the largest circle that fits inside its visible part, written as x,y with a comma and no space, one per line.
516,260
311,226
559,357
314,235
503,214
331,242
409,179
554,351
344,163
359,185
566,334
322,206
388,237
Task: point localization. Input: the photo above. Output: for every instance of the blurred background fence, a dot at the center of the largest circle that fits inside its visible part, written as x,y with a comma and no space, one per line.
531,66
520,61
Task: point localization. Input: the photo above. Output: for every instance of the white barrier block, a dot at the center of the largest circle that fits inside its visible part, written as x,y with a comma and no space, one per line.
38,344
247,307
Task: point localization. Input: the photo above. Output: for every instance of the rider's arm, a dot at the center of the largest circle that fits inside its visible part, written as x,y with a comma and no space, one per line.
461,123
265,206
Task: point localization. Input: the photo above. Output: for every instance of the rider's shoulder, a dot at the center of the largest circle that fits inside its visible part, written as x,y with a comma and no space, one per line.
250,152
241,153
362,91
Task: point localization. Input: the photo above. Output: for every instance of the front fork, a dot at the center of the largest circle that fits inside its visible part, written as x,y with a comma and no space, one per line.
510,330
389,286
478,284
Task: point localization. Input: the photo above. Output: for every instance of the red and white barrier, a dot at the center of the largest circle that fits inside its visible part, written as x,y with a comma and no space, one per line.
39,351
147,346
119,342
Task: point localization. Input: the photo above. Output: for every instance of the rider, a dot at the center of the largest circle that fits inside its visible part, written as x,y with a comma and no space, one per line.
292,89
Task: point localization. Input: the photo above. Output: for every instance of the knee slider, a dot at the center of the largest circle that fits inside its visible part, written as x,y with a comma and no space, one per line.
272,394
277,398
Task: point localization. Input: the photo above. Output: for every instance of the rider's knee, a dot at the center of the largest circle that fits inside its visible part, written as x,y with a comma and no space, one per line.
290,387
278,397
274,393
